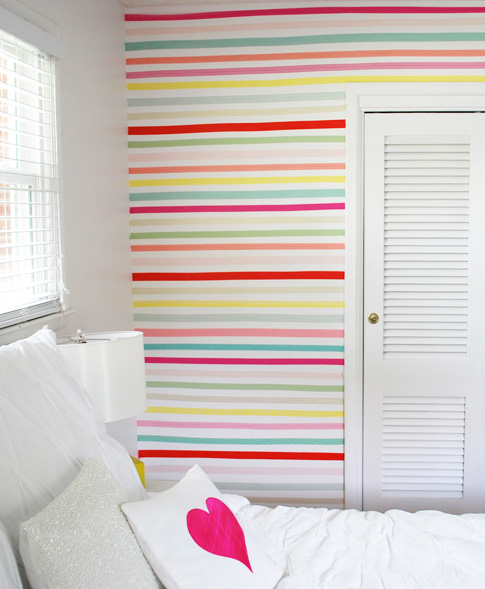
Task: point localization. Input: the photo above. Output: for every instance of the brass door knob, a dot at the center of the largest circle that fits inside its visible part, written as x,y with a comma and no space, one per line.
373,318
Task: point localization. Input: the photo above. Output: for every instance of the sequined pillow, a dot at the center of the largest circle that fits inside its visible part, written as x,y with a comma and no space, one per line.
82,539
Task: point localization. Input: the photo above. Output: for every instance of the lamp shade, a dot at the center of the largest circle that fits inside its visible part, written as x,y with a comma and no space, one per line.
111,367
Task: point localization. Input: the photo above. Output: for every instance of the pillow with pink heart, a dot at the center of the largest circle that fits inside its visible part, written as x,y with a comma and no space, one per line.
193,540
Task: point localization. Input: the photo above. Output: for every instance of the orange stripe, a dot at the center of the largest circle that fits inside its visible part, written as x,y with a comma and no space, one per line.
234,168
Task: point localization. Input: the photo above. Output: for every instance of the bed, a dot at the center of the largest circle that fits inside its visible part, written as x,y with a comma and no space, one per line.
74,514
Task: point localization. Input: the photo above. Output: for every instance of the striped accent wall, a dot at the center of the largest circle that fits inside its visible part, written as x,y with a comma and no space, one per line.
236,124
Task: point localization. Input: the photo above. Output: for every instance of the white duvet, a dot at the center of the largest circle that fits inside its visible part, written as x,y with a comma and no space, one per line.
334,549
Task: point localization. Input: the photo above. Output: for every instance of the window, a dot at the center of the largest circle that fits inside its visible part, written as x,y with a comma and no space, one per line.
30,273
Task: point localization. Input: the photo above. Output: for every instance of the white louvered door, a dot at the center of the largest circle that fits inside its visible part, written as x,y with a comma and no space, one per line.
424,270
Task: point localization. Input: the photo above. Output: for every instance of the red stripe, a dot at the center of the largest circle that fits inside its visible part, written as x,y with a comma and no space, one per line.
309,10
235,455
236,127
197,276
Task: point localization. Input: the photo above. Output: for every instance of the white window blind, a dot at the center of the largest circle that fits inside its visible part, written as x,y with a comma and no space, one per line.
30,273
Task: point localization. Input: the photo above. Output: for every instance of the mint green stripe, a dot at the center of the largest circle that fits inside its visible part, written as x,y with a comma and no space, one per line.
243,441
245,347
211,318
224,234
239,99
306,40
243,487
239,194
238,141
245,386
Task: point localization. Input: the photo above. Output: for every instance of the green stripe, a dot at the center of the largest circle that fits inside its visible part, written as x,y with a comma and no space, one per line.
245,386
238,141
306,40
243,441
245,347
178,398
224,234
210,318
239,194
239,99
279,487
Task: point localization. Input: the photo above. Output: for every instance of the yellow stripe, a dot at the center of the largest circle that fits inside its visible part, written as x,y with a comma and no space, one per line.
242,304
317,80
224,181
261,412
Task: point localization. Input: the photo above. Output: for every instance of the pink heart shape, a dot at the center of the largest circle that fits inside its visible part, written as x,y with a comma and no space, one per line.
218,531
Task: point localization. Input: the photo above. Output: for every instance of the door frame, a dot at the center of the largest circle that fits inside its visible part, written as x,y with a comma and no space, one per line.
362,99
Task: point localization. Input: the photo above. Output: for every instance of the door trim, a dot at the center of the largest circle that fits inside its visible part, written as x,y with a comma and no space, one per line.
363,98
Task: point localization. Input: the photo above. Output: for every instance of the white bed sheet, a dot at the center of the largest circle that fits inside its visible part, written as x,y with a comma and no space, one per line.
334,549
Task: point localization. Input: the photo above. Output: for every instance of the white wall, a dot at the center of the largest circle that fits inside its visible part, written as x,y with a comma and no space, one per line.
94,175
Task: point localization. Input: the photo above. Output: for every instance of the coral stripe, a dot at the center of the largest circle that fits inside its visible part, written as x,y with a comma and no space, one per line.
234,168
235,127
241,455
307,55
242,332
189,276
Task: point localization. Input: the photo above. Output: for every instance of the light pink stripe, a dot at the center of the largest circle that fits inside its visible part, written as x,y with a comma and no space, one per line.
221,155
187,247
246,374
242,332
309,67
333,206
318,25
232,425
251,470
256,261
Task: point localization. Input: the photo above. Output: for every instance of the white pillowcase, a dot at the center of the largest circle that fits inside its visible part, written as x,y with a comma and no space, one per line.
194,541
82,539
48,428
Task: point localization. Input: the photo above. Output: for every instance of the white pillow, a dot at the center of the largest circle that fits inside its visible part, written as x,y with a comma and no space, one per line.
9,574
194,541
82,539
48,428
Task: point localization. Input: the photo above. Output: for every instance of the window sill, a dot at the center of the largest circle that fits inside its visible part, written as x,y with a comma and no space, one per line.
56,322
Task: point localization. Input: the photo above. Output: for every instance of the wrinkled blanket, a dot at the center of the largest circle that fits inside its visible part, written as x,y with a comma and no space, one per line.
334,549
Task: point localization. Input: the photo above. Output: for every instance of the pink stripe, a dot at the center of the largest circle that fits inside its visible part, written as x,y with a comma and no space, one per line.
314,471
236,246
310,67
233,425
235,168
220,155
307,10
249,361
277,373
242,332
237,208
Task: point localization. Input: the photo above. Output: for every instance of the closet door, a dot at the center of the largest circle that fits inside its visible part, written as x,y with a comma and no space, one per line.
424,301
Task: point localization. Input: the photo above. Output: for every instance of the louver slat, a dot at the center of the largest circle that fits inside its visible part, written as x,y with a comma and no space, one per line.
426,208
423,447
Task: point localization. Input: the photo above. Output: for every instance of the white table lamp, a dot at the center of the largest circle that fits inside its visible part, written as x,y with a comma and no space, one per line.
111,367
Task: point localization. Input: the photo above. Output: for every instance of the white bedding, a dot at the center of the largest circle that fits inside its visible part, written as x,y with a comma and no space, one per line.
334,549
